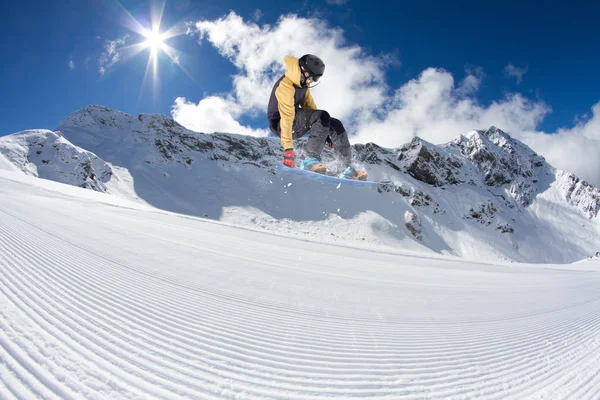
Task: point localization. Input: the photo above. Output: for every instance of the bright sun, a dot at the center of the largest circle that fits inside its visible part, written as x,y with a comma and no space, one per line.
154,40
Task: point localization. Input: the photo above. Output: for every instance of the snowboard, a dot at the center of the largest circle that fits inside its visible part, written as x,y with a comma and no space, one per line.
382,185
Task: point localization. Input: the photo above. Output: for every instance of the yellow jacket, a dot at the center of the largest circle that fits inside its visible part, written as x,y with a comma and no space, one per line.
289,95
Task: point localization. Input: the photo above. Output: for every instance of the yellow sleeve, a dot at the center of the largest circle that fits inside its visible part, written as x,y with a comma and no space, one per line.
309,102
285,102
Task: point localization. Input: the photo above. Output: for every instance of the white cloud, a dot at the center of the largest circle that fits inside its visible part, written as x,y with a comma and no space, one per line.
471,83
212,114
71,64
111,54
515,72
575,149
432,106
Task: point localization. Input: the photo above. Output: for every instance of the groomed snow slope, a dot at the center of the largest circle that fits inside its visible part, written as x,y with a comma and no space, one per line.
105,298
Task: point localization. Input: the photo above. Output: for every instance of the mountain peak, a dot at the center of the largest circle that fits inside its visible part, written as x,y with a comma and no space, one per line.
98,119
502,160
423,161
496,135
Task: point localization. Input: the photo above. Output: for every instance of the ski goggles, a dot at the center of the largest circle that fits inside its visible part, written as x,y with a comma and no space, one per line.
310,77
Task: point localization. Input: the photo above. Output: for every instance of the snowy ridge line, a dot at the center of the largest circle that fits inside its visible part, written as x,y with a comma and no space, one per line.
484,195
112,306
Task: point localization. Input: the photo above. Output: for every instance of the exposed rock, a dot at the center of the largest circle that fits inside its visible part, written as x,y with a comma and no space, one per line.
580,193
413,224
49,155
430,164
485,214
505,228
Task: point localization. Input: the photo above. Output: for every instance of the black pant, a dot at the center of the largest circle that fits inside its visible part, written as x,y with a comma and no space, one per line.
319,125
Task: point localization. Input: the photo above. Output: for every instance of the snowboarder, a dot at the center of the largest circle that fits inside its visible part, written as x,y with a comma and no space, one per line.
292,113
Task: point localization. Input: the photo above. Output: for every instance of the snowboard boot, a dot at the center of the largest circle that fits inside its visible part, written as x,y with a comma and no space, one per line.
353,174
313,164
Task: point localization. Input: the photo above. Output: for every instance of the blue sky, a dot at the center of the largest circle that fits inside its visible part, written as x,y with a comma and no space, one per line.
394,69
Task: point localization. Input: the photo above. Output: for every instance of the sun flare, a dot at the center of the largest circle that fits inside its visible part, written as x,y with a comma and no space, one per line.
154,40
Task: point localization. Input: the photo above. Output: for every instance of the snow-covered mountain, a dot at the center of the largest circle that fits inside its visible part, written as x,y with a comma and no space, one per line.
49,155
484,195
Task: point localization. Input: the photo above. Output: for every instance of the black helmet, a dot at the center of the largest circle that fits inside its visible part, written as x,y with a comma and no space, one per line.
313,65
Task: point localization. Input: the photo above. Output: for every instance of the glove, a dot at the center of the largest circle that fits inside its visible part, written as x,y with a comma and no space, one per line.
288,158
328,142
